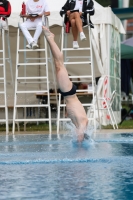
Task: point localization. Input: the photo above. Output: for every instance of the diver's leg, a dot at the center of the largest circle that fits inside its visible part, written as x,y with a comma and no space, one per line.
64,83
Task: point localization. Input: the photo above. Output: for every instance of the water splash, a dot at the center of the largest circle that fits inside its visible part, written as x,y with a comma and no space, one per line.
71,131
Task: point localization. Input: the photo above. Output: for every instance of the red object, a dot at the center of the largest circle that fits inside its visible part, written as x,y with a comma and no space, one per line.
23,9
67,27
3,12
84,86
108,117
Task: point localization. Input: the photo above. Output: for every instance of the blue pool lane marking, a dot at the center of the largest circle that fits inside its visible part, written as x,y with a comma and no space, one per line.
87,160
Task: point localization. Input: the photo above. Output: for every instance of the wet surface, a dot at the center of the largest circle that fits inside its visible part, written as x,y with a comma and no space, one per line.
36,167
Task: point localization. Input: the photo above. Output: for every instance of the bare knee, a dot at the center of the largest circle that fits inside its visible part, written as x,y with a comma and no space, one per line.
22,25
76,15
73,23
59,61
60,57
58,67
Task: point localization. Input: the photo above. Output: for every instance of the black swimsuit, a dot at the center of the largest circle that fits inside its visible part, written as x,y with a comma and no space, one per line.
71,92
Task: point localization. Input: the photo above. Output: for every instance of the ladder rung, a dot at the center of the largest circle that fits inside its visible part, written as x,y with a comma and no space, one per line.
2,92
80,76
29,58
71,49
34,91
2,120
78,57
1,78
5,59
84,104
86,91
24,50
1,64
34,77
32,120
35,82
64,119
2,106
76,63
30,106
21,64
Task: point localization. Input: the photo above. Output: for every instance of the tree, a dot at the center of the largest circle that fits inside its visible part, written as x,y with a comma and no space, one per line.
106,3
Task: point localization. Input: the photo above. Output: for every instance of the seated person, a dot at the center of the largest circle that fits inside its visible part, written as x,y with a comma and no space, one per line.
5,10
76,12
38,8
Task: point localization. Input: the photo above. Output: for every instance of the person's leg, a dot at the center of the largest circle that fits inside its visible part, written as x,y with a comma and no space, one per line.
74,29
24,27
78,23
63,80
38,30
78,20
75,34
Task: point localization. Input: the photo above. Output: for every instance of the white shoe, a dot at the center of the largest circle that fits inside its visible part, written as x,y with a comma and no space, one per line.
75,45
4,25
28,46
34,45
82,36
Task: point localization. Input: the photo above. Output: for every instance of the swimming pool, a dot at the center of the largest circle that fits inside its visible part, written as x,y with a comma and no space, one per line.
34,167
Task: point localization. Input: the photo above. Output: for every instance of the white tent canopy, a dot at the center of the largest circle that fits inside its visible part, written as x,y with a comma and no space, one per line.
55,7
102,15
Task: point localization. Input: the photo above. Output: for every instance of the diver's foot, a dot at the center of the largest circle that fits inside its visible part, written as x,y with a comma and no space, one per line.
47,33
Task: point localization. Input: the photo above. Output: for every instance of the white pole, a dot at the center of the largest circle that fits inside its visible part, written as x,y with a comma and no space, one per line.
125,3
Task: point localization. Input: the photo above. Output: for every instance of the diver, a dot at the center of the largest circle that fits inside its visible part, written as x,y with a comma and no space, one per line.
75,110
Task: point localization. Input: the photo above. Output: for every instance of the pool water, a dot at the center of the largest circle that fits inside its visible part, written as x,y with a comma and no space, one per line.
35,167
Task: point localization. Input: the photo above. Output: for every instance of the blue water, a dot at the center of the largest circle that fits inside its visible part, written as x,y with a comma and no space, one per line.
34,167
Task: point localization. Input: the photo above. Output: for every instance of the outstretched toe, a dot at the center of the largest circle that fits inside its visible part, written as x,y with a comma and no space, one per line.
47,32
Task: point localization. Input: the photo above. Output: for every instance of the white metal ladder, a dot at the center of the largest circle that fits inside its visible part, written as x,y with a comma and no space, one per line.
31,80
88,61
4,35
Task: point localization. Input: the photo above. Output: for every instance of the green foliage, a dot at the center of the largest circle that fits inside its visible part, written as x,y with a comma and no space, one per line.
127,124
131,3
31,127
106,3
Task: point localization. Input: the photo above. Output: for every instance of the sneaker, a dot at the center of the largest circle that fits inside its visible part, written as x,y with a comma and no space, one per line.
28,46
34,45
82,36
75,45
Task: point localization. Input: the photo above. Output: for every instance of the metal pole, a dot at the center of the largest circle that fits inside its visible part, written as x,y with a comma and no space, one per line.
126,3
120,3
